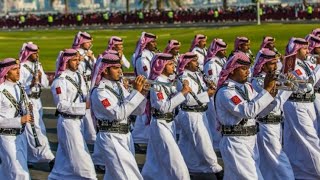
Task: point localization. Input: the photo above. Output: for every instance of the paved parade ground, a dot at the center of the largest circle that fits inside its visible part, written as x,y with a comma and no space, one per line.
41,171
51,41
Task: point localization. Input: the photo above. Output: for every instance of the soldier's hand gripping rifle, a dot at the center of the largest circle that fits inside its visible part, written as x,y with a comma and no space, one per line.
29,109
34,132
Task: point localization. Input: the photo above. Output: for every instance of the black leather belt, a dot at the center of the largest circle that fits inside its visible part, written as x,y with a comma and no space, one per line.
112,127
11,131
239,130
69,116
194,108
304,98
34,95
163,116
270,119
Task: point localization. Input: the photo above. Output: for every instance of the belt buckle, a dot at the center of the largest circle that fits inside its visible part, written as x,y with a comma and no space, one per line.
6,131
227,128
299,96
271,116
246,130
103,123
308,96
237,128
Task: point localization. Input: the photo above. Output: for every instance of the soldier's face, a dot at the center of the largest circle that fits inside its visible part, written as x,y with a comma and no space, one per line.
222,53
270,46
175,51
202,44
74,63
152,45
14,74
33,57
316,50
118,47
169,68
193,65
244,47
240,74
113,73
270,66
302,53
86,45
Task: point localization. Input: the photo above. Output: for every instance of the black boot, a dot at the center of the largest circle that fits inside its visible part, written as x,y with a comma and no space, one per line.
30,165
99,168
219,175
51,164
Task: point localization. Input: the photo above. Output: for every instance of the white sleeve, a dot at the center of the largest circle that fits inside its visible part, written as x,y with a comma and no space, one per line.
6,122
242,108
161,102
115,111
125,62
60,96
316,74
44,78
203,97
143,67
23,76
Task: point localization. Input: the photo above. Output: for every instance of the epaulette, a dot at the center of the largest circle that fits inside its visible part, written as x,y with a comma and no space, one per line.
62,76
156,87
229,86
102,86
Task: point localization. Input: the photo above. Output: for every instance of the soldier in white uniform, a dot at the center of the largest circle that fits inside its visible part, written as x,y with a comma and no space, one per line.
274,163
111,106
69,91
29,59
164,159
13,118
116,43
146,48
300,120
238,104
313,60
243,44
98,153
269,43
173,47
198,46
213,64
195,142
83,43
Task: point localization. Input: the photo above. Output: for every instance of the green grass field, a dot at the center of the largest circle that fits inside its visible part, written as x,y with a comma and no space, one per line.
52,41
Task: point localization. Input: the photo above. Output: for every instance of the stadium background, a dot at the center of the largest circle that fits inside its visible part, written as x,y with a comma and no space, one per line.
53,39
117,5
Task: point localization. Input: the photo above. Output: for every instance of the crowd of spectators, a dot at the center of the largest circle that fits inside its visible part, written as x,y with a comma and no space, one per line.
188,15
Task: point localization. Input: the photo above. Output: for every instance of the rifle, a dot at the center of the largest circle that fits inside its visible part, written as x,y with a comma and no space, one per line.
29,110
34,132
